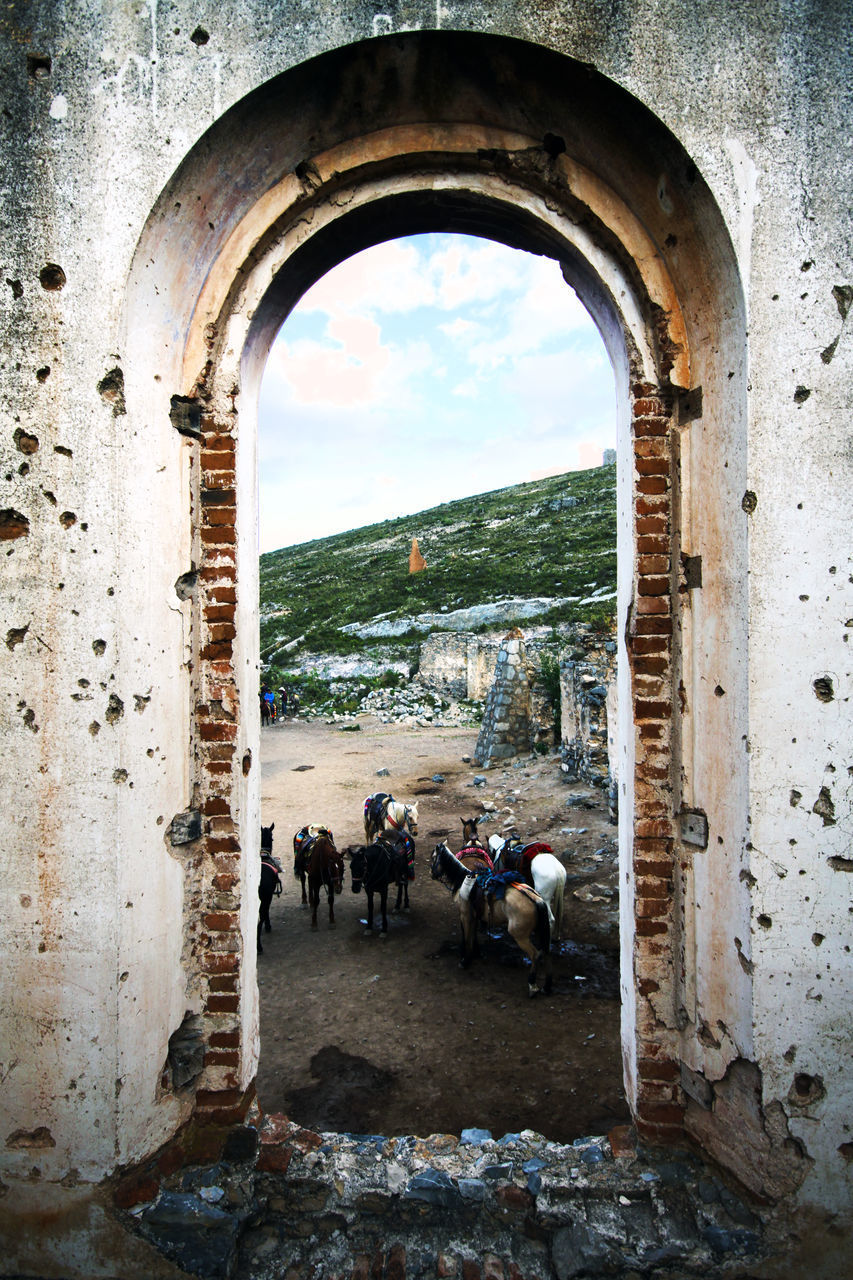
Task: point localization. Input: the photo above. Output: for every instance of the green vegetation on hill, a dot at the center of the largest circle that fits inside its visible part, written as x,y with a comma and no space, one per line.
553,537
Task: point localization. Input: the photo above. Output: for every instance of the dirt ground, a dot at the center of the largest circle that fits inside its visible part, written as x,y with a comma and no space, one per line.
388,1035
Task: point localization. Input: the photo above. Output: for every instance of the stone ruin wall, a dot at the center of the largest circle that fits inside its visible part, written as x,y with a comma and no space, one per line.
464,665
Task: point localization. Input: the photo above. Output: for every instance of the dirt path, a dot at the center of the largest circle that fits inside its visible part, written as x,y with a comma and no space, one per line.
387,1034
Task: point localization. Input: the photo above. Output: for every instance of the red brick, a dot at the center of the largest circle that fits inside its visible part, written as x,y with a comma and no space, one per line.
216,805
653,544
223,981
217,767
647,987
652,710
224,517
648,406
650,644
217,731
658,466
224,844
651,484
222,921
218,574
136,1188
218,537
211,963
650,928
220,613
513,1197
217,441
222,649
653,586
225,882
222,1058
651,524
223,595
658,1069
222,1004
658,827
651,426
218,631
651,447
653,729
651,506
651,666
652,604
661,1135
395,1267
224,1040
652,564
649,625
652,908
219,750
623,1141
661,1113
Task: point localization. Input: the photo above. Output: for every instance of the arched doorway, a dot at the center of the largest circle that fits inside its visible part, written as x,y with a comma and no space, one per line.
457,132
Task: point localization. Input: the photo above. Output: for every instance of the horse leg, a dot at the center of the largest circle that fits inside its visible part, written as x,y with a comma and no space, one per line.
265,912
383,902
331,906
369,930
260,947
313,901
304,894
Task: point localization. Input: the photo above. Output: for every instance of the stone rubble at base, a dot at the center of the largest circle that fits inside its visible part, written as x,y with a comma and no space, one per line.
327,1205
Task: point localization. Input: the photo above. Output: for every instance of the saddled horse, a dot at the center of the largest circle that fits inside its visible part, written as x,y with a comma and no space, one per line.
538,867
269,884
507,902
325,870
383,813
302,842
388,860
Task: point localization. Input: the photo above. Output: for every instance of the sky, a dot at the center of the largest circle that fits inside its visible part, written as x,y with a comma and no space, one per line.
423,370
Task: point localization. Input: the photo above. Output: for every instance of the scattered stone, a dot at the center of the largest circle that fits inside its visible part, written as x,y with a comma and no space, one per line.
383,773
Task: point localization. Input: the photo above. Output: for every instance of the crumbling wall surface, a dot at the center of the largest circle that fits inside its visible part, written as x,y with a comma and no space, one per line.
116,931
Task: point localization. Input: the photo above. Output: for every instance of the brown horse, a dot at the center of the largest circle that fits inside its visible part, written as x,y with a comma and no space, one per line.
502,901
302,843
473,855
324,870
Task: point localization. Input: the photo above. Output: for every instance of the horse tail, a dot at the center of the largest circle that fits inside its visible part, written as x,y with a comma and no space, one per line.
557,905
543,925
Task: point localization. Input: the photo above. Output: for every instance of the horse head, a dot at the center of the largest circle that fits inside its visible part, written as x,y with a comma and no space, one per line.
266,838
358,865
436,862
412,818
334,862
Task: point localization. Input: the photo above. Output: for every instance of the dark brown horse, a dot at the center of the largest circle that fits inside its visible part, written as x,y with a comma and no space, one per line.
389,860
325,871
302,842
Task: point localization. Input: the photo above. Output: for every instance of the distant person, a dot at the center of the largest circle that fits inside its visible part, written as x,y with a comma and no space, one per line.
294,703
267,705
282,701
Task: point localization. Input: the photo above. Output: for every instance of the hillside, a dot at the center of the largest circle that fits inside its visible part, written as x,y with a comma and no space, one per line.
552,538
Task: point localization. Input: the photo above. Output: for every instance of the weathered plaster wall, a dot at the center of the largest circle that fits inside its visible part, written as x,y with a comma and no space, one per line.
101,105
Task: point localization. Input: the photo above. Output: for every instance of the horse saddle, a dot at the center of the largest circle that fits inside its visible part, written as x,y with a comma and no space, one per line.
375,807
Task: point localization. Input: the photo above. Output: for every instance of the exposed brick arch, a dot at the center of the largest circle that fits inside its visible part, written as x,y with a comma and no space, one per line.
650,258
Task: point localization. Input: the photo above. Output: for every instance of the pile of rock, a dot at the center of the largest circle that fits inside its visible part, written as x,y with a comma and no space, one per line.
412,704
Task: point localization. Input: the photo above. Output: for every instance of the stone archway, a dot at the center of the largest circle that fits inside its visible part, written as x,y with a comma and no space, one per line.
458,132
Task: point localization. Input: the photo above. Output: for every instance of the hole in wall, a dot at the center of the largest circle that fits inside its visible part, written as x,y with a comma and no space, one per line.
333,367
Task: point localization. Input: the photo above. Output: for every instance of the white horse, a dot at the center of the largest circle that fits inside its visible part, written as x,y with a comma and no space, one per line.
383,813
543,870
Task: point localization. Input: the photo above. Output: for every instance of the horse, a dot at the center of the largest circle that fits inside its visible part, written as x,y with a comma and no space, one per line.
508,902
538,867
325,870
302,842
389,859
265,711
269,883
383,813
